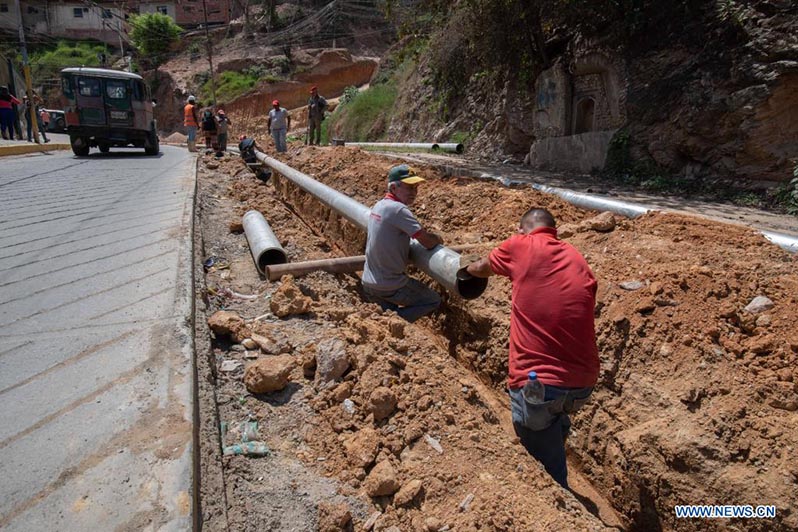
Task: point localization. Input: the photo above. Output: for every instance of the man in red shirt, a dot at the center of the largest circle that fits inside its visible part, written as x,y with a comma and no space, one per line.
551,333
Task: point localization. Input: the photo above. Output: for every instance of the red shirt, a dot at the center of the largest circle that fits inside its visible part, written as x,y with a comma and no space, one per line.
551,322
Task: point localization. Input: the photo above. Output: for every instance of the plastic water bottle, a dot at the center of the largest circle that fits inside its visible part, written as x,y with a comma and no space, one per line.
533,391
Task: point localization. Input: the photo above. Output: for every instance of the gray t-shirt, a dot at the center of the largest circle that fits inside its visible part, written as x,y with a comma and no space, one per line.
279,117
391,224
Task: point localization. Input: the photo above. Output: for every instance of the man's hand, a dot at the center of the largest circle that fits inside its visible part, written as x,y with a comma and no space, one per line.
480,268
428,240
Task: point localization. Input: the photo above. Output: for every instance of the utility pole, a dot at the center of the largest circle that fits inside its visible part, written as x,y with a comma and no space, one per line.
210,51
26,70
334,20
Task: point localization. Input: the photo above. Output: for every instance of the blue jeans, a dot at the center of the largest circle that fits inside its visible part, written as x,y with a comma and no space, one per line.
279,140
192,133
544,427
412,301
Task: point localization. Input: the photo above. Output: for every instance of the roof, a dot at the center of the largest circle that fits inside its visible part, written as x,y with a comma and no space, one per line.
101,72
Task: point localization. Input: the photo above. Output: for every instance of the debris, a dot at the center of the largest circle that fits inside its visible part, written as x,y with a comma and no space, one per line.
269,374
333,517
226,323
381,480
371,521
215,263
249,343
331,360
466,502
759,304
407,493
382,402
250,448
432,442
602,223
249,431
362,447
288,299
631,285
229,366
229,293
348,406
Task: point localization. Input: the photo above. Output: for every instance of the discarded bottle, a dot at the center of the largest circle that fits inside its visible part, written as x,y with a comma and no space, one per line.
250,448
534,391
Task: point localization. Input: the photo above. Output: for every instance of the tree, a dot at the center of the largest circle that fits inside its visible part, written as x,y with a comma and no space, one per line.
153,34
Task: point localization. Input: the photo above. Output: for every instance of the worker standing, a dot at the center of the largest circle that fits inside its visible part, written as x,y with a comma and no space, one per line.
279,123
552,334
390,227
222,125
191,122
317,105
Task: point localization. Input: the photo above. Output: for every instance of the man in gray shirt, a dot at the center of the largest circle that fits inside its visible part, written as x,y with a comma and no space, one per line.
279,124
390,228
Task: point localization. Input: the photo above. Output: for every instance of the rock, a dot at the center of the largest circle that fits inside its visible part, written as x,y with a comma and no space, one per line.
266,344
228,366
331,360
631,285
362,447
382,402
236,226
371,521
249,343
790,406
397,327
226,323
763,320
288,299
432,442
408,492
381,480
433,524
342,391
334,517
268,374
603,223
466,502
566,231
759,304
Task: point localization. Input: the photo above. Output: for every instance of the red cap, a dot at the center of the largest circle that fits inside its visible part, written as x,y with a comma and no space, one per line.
221,111
242,137
314,88
276,102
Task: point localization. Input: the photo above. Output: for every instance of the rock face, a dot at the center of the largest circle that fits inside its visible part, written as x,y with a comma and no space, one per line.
269,374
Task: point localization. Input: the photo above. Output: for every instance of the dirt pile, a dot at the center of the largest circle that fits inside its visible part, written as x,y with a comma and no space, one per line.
694,404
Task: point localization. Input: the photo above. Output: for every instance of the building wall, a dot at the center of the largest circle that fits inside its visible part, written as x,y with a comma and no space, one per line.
8,15
166,8
190,13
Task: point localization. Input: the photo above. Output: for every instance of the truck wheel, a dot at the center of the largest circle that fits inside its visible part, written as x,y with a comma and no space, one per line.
104,148
80,146
151,145
61,125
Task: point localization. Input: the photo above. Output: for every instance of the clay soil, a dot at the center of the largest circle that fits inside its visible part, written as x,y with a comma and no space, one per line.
695,403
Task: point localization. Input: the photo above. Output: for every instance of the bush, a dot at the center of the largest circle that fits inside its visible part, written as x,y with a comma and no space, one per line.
365,116
48,63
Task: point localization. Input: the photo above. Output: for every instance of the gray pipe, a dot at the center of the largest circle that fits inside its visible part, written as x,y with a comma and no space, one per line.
631,210
586,201
263,245
440,263
448,146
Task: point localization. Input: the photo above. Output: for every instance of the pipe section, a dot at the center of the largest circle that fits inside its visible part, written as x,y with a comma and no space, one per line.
586,201
263,244
434,146
440,263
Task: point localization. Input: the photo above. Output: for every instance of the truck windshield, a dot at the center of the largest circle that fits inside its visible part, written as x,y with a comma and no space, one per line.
89,86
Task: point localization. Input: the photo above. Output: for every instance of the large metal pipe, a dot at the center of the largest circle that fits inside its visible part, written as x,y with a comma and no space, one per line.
440,263
263,244
443,146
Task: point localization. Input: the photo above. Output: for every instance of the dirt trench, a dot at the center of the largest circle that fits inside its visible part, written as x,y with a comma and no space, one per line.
694,403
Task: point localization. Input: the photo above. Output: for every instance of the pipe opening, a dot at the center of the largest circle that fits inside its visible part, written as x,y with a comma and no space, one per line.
472,288
435,147
459,148
271,256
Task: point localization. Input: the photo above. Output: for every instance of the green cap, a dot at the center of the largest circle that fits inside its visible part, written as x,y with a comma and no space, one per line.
405,174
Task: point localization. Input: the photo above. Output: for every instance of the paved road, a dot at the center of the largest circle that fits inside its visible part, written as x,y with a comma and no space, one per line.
96,341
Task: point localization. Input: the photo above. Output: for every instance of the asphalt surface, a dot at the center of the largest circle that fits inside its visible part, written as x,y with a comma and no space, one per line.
96,343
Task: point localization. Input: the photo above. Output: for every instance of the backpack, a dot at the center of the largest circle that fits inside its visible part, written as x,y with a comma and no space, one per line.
208,122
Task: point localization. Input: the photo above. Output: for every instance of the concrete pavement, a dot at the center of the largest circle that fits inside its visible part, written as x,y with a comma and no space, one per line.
96,341
58,141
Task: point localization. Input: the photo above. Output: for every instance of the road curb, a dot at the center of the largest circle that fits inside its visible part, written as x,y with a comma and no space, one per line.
22,149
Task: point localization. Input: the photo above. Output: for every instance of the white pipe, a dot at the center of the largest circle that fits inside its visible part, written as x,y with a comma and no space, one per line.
446,146
263,244
440,262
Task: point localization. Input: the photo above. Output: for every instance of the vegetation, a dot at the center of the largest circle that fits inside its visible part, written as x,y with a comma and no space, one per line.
787,195
232,84
153,34
365,116
46,63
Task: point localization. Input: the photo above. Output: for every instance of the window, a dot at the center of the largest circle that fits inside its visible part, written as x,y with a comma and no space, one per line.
107,13
116,89
32,10
3,8
162,9
89,86
77,12
66,86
